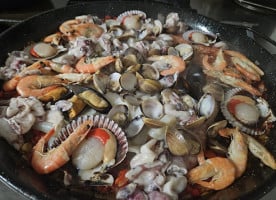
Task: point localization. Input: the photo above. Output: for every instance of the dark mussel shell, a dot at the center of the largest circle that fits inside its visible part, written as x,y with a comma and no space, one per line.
91,97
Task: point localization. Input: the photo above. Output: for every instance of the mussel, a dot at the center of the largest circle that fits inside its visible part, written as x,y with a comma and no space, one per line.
91,97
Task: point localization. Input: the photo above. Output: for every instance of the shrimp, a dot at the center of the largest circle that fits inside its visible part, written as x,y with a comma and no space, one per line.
245,66
61,68
35,68
45,88
235,82
237,149
47,162
86,65
220,170
218,64
259,151
176,64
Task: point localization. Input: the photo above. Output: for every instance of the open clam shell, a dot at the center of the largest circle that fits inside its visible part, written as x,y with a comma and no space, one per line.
244,111
42,50
98,121
200,37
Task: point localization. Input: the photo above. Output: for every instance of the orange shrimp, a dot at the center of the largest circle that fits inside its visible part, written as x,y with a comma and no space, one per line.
37,67
259,151
85,65
235,82
218,64
47,162
176,63
245,66
237,149
61,68
45,88
220,170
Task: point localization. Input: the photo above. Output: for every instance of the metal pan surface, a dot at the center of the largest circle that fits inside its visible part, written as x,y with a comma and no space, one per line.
18,175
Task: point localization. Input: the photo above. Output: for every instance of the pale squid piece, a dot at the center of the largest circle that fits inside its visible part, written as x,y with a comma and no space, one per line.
174,186
99,147
146,155
18,118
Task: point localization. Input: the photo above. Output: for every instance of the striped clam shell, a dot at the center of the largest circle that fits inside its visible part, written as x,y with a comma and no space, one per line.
129,13
98,121
212,38
256,129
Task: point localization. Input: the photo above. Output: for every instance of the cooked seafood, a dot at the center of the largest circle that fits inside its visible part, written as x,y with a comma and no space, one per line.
154,91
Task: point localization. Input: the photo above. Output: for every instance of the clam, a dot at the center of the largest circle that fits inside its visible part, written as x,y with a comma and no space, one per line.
153,123
181,142
131,99
119,114
184,50
213,129
131,51
133,21
149,86
100,82
91,97
128,81
200,37
172,51
242,110
43,50
152,108
150,72
114,82
169,80
207,106
135,126
119,67
133,68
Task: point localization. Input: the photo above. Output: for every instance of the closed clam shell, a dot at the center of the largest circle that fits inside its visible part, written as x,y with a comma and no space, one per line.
150,72
128,81
119,114
184,50
213,129
207,106
149,86
181,142
152,108
100,82
135,126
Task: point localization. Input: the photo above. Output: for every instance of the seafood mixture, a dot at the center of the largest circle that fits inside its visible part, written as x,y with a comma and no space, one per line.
148,108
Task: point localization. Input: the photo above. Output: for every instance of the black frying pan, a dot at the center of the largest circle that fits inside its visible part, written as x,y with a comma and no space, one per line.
17,174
